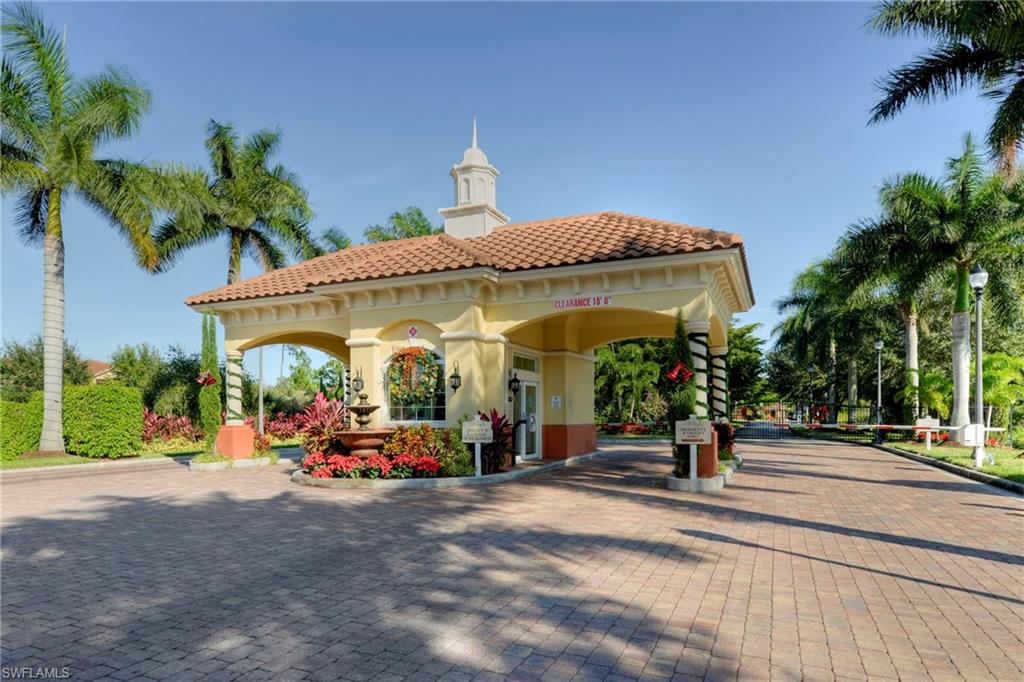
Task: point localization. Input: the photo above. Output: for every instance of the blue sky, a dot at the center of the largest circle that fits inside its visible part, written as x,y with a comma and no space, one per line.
742,117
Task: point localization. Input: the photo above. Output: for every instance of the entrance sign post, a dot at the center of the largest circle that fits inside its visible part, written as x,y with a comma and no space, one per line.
693,432
477,432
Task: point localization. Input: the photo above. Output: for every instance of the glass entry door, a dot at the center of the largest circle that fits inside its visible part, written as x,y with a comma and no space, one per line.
525,411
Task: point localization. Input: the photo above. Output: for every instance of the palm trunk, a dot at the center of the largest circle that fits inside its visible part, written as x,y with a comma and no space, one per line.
961,324
910,351
51,438
832,416
235,258
851,390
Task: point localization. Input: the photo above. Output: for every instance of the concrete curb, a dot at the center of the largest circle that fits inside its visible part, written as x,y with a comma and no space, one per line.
964,472
237,464
704,485
89,468
302,478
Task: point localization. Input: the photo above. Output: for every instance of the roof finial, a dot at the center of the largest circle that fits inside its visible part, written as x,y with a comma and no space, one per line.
474,133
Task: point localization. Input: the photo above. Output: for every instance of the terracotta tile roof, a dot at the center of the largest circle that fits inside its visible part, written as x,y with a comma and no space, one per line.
574,240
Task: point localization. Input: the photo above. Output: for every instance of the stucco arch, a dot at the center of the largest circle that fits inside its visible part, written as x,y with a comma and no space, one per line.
331,344
584,330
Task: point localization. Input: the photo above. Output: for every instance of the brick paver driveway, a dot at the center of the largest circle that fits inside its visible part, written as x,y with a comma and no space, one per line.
820,561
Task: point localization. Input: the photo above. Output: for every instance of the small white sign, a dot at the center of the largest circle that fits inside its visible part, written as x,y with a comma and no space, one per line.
927,423
477,431
556,402
533,423
693,432
972,435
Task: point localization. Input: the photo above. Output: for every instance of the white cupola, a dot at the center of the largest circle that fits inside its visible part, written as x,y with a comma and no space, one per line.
475,212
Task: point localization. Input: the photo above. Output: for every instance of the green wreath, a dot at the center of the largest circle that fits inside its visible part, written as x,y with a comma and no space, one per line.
412,376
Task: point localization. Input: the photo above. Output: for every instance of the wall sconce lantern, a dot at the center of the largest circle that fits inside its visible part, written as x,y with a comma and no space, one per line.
514,384
455,380
357,382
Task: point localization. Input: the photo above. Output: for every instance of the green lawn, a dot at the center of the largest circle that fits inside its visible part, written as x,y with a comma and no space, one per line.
182,449
1008,464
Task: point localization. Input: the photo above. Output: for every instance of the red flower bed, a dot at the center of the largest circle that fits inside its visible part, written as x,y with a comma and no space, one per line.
404,465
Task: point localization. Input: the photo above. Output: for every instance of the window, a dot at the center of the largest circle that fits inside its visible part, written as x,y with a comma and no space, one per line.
408,399
524,363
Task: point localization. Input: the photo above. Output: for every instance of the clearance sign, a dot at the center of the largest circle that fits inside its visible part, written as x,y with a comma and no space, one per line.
577,302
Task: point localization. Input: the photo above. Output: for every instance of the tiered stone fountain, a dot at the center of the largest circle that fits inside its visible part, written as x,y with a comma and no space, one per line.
364,441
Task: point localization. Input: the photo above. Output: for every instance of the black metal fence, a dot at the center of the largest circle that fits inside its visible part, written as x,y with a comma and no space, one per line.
798,419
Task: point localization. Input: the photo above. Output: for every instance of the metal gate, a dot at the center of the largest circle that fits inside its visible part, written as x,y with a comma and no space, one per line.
801,419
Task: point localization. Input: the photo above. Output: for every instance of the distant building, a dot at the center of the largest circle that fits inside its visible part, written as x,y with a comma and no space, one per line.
100,371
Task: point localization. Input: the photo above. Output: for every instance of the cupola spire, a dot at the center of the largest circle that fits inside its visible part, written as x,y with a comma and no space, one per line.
475,212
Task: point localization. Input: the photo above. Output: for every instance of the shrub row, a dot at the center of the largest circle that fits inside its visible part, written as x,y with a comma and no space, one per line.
101,420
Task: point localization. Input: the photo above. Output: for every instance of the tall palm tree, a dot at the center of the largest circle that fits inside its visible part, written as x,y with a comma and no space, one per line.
412,222
979,44
966,218
261,210
878,257
823,323
52,125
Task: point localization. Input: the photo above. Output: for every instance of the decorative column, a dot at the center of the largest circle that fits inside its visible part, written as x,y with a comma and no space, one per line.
235,438
719,382
233,390
698,337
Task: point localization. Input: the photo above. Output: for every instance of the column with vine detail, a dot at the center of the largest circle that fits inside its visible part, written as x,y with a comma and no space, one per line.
698,340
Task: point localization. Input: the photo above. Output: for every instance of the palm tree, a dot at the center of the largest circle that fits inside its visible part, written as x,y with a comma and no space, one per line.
335,240
932,392
808,329
962,220
979,44
627,374
823,322
411,222
261,210
877,257
51,127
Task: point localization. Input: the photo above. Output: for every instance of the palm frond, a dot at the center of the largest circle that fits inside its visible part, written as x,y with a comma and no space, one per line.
172,238
30,213
122,192
1007,129
107,106
222,146
38,51
940,73
335,239
942,19
262,248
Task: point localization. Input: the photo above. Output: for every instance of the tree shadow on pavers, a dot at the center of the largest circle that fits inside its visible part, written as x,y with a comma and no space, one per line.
689,503
725,539
329,583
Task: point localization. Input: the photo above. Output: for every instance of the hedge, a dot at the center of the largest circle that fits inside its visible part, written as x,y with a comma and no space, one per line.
20,424
103,420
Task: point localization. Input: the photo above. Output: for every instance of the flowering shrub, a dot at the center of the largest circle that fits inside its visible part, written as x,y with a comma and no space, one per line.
261,443
404,465
321,424
283,426
495,453
940,437
443,445
160,427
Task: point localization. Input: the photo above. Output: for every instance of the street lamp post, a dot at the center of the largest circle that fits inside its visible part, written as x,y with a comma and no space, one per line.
978,278
878,400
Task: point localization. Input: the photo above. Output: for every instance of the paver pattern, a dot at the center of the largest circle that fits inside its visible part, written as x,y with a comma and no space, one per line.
820,561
